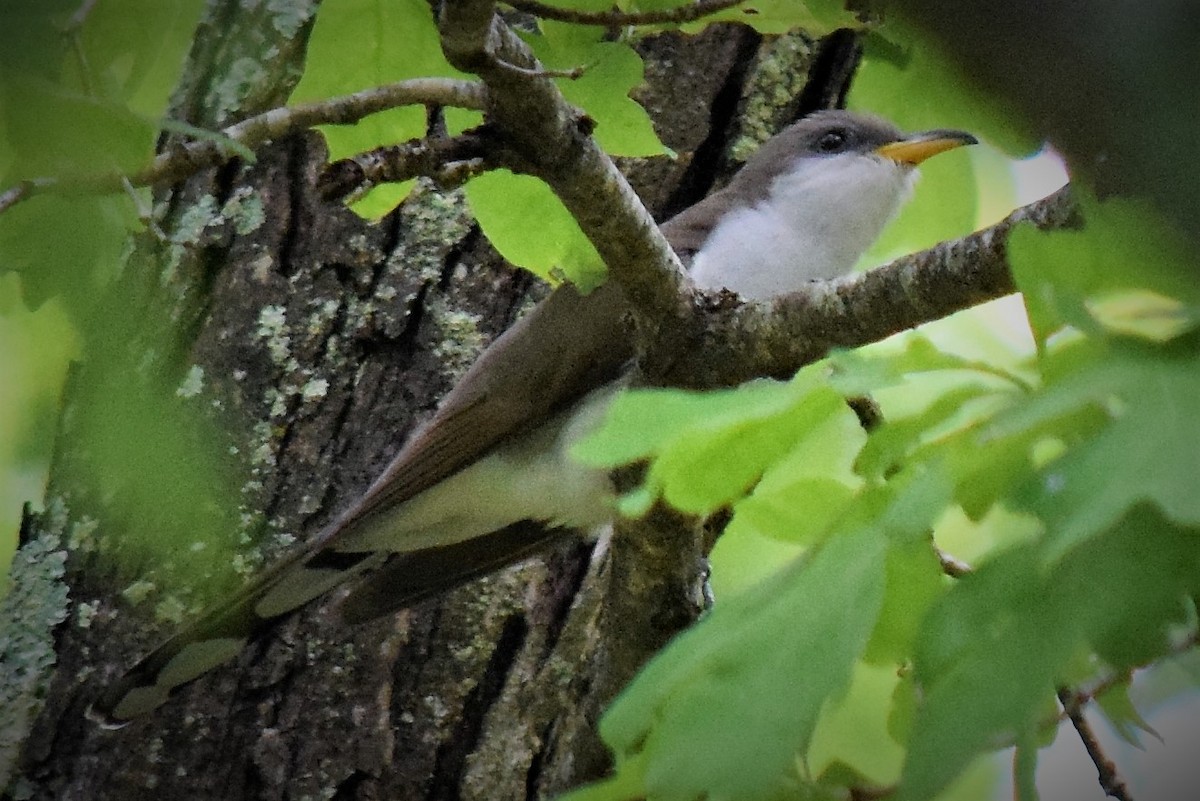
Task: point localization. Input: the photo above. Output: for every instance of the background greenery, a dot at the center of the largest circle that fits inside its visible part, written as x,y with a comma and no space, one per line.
1057,458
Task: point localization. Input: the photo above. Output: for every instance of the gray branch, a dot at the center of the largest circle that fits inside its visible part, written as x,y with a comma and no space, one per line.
749,340
181,161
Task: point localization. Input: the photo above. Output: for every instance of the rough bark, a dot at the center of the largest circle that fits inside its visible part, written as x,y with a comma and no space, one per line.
491,691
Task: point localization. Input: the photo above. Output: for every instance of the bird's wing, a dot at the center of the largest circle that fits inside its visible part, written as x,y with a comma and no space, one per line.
568,345
409,577
565,347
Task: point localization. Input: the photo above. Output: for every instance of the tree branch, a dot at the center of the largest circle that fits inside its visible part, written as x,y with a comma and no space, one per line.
448,160
615,18
185,159
687,339
743,341
541,134
1110,780
952,566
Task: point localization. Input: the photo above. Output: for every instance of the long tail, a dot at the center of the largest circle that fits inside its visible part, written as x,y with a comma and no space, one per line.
400,580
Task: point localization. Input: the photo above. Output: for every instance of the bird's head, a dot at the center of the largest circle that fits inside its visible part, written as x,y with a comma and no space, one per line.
810,202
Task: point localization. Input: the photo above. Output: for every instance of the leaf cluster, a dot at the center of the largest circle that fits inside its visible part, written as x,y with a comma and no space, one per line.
1069,477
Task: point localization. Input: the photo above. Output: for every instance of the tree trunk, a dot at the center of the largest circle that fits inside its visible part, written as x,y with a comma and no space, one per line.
490,691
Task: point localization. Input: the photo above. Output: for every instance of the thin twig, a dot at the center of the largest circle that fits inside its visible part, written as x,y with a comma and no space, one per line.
447,160
23,190
573,74
1111,680
610,19
952,566
79,17
183,160
71,31
1112,784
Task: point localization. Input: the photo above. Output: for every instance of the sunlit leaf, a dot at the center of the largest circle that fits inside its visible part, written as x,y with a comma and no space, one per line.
1143,313
711,448
763,665
357,44
1142,392
532,229
1124,246
611,70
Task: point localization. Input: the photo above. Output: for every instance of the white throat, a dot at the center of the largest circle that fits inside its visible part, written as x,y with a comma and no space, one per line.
817,220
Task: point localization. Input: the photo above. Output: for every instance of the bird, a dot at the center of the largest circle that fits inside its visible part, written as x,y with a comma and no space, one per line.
489,479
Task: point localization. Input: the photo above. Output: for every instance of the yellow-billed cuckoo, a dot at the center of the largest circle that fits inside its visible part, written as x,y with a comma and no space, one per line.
488,478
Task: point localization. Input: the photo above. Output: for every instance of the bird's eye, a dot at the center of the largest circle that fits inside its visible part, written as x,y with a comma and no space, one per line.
832,141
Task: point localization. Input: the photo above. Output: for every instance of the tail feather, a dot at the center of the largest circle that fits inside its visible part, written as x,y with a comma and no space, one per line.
212,640
401,580
222,632
409,577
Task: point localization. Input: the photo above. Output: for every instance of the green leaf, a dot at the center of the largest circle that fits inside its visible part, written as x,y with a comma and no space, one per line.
1125,247
712,448
1147,449
640,423
1118,709
61,118
992,650
58,131
73,267
903,708
531,228
806,490
162,465
726,709
1145,568
867,370
357,44
611,70
625,785
711,467
800,512
893,442
31,40
815,17
986,663
135,50
914,582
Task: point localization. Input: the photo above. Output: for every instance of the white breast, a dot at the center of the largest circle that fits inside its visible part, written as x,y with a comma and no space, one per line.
815,223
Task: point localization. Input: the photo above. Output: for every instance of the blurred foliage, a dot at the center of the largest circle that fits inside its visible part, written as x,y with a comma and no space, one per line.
1066,476
838,654
36,348
1087,452
86,95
